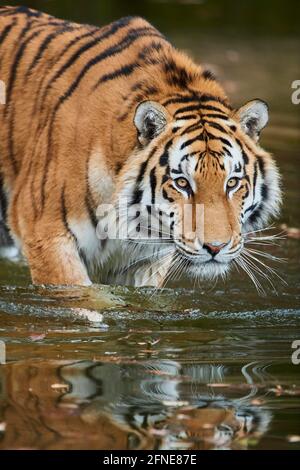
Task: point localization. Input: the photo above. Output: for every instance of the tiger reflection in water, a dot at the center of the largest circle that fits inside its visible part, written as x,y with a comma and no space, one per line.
174,406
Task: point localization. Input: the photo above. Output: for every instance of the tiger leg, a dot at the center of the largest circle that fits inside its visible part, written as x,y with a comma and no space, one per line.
46,242
55,260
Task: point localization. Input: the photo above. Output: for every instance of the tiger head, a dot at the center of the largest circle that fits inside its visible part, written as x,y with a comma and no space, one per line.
198,156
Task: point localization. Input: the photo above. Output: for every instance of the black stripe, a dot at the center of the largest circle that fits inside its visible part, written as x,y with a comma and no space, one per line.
264,191
124,71
18,58
216,125
76,40
255,178
238,168
153,182
44,46
137,86
244,155
111,51
118,167
11,83
164,158
192,140
261,165
144,165
3,199
166,176
6,30
208,75
138,193
217,116
192,128
15,64
90,210
210,107
131,36
251,208
205,98
146,51
87,46
196,107
177,172
57,59
137,196
177,75
253,218
196,98
224,141
187,117
221,139
187,155
142,171
181,99
165,196
64,215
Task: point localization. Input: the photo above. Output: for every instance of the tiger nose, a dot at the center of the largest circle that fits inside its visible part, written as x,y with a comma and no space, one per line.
214,248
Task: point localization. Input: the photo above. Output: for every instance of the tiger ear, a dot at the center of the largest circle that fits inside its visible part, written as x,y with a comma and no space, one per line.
150,120
253,117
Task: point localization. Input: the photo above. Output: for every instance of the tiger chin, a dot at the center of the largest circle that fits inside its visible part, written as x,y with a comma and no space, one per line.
95,116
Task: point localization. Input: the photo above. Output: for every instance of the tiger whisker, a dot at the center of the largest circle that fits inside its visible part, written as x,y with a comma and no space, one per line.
267,255
241,262
270,227
271,270
171,269
149,242
143,258
162,260
259,271
263,243
176,268
277,236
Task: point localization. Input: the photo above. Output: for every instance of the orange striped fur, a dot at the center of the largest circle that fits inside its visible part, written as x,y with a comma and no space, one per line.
68,139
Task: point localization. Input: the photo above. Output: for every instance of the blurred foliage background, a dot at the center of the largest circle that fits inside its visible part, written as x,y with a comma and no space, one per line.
266,17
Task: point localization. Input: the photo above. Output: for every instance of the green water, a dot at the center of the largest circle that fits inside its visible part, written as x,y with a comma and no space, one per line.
205,367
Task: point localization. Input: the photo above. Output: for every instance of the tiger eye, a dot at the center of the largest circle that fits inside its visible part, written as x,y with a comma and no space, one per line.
232,183
182,183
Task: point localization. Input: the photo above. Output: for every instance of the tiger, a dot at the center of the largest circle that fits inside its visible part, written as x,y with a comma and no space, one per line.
94,116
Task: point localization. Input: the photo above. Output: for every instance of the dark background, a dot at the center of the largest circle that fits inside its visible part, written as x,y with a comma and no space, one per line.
275,17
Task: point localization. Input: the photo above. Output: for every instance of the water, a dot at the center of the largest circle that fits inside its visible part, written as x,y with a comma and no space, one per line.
200,368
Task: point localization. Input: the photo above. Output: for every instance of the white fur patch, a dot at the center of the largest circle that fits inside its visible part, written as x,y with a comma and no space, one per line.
87,239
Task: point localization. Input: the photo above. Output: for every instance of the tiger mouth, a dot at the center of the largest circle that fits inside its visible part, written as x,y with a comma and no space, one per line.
196,258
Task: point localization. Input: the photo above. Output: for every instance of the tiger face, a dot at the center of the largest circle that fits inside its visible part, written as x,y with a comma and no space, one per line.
201,174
